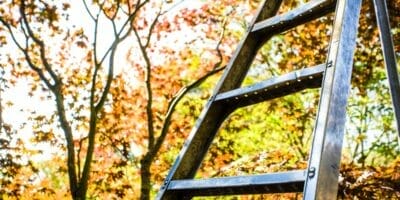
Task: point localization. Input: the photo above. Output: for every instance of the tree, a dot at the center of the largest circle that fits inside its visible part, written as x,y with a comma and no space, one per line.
29,25
81,87
116,126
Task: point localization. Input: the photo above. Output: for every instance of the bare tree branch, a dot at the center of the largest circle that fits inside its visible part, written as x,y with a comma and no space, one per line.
217,48
183,91
172,7
88,10
123,27
95,108
26,54
11,33
41,44
149,106
149,92
174,102
110,77
151,28
56,89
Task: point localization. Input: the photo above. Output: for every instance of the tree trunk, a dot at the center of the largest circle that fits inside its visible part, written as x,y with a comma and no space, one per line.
145,179
79,193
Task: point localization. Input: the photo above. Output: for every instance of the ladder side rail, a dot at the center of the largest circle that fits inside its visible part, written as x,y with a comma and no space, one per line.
201,136
389,55
323,165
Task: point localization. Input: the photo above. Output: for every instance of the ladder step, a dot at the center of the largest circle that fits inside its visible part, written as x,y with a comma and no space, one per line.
305,13
282,182
289,83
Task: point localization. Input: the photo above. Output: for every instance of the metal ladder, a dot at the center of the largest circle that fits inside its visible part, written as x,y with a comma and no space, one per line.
319,180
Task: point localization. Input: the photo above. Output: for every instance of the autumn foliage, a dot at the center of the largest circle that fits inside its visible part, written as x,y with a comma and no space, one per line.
107,92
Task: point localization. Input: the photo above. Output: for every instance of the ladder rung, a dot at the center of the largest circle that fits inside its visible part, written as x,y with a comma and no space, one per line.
289,83
305,13
282,182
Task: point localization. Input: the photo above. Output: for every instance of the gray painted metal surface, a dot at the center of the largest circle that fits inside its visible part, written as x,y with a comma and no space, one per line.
324,163
305,13
279,86
291,181
389,55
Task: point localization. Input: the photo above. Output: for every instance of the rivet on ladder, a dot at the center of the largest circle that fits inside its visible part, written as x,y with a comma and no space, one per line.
330,64
310,77
164,185
311,172
297,75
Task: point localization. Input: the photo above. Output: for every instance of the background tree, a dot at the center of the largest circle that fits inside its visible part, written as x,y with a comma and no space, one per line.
79,73
75,87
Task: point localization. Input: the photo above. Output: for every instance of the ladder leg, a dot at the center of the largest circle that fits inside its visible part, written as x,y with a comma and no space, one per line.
382,18
324,162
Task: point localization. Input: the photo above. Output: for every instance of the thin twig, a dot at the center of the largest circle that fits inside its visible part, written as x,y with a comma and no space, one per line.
172,7
152,26
41,44
183,91
88,10
149,91
174,102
